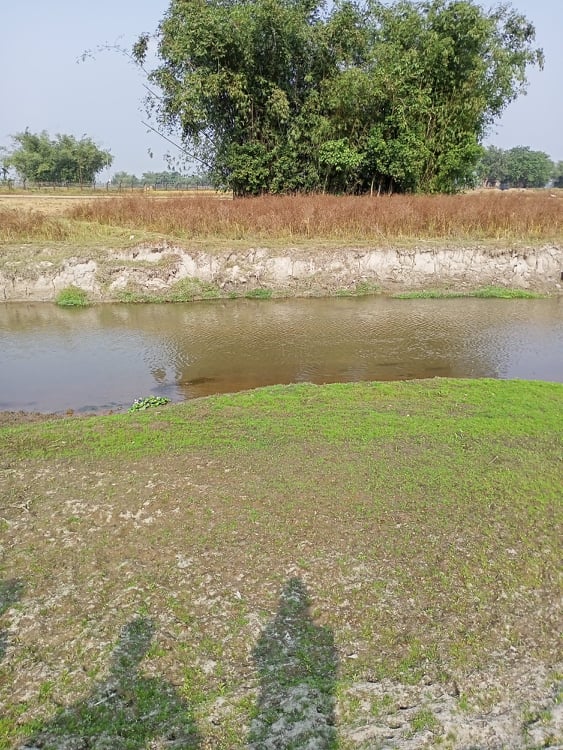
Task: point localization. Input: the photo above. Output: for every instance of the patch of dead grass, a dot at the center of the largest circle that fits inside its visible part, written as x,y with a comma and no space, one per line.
479,216
493,217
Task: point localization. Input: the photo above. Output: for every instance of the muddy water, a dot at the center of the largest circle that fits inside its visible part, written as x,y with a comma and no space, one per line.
104,357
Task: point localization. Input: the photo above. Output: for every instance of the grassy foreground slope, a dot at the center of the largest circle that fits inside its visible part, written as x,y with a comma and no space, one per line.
333,561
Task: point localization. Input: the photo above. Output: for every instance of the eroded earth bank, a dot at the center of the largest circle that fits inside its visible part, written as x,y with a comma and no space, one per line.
157,269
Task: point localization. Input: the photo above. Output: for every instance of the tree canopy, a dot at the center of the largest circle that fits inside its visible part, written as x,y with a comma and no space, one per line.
517,167
63,159
288,95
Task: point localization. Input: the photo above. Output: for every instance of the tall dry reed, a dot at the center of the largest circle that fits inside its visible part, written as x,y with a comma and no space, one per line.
483,215
23,226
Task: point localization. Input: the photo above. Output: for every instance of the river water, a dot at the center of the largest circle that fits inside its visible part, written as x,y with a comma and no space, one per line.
103,357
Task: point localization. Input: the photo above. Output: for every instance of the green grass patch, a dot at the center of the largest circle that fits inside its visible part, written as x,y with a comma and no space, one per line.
423,720
487,292
72,296
365,288
259,293
184,290
362,289
498,292
189,289
430,294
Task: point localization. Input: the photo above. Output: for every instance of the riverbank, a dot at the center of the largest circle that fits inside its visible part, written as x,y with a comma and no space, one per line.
161,271
391,580
140,248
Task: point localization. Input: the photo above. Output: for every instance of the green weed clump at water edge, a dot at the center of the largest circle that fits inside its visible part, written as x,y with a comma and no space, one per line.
499,292
184,290
363,289
259,294
487,292
72,296
140,404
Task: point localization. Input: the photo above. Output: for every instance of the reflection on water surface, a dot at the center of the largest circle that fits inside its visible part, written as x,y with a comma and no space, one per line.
104,357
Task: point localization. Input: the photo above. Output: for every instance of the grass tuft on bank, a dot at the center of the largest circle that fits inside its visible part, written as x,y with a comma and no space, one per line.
487,292
72,296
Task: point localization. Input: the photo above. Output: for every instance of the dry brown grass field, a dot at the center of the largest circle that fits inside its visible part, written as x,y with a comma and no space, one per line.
57,201
485,216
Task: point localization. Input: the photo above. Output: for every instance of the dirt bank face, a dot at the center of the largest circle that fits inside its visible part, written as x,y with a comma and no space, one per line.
108,275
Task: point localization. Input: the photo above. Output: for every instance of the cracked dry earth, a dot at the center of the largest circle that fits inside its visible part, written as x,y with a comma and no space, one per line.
178,597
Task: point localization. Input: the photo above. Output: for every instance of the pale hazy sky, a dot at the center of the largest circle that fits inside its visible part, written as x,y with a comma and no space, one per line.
43,87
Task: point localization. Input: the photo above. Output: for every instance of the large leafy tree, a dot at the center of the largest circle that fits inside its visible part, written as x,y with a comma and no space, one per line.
285,95
38,158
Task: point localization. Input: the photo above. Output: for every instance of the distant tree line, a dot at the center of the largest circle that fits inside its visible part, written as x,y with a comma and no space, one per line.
518,167
162,180
64,159
37,158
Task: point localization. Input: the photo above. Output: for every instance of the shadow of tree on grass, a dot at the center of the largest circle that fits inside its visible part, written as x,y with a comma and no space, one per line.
10,592
127,711
297,664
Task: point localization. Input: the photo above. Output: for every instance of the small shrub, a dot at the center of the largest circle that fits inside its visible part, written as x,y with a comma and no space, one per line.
72,296
140,404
